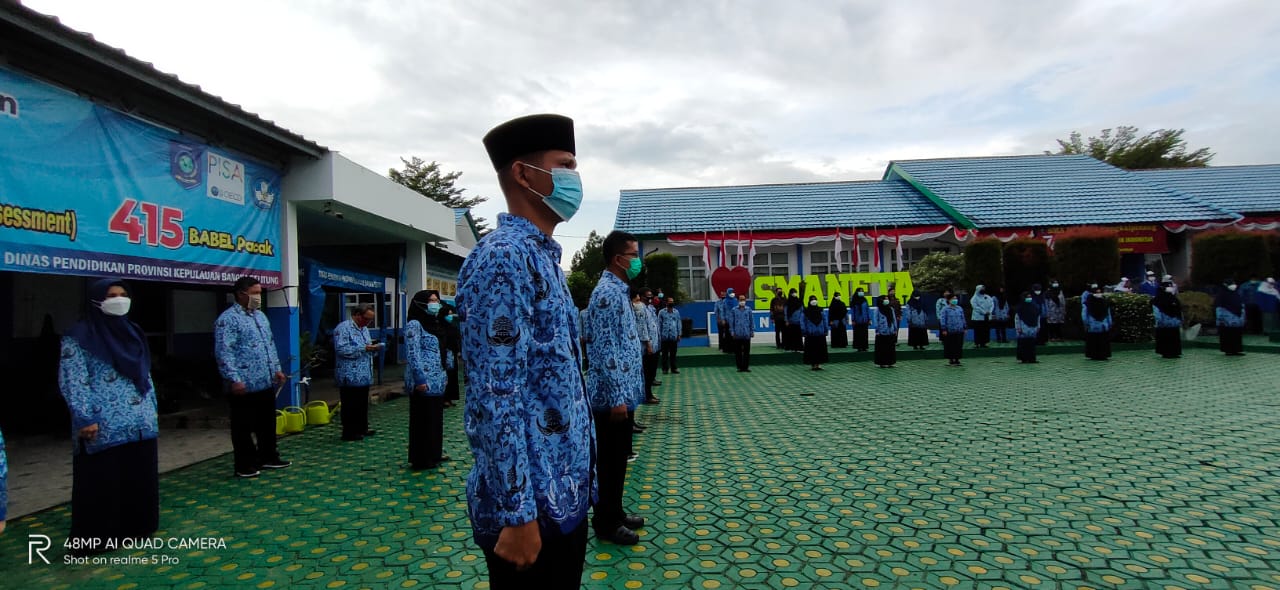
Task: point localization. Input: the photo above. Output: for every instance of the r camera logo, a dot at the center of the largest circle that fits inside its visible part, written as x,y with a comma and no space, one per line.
36,546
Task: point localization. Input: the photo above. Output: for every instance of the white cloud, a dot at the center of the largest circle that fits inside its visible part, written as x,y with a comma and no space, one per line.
670,93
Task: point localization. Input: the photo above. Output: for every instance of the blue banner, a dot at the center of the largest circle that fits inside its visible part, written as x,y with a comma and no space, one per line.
86,190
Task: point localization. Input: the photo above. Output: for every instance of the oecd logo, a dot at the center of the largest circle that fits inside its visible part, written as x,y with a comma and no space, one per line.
184,164
263,195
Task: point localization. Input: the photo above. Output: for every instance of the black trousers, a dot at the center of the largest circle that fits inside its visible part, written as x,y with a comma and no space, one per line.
779,326
669,355
953,345
650,364
742,353
355,412
613,443
1231,340
115,493
426,430
253,414
981,332
559,564
1050,331
721,333
451,384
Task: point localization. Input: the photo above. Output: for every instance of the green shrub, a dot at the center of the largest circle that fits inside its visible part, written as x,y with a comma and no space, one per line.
937,272
983,264
1130,313
1228,254
1086,255
660,273
1197,308
580,288
1134,321
1026,262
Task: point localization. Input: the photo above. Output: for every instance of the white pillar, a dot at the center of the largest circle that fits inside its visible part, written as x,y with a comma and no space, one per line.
415,267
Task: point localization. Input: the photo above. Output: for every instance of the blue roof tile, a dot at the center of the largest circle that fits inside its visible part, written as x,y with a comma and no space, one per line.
859,204
1041,191
1243,189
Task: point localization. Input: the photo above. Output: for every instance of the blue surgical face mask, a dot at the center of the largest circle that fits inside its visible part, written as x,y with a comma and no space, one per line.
566,191
433,307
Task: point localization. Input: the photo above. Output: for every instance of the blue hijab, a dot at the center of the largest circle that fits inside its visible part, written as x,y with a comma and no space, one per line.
114,340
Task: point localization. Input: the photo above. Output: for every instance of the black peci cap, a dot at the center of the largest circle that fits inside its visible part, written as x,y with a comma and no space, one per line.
526,135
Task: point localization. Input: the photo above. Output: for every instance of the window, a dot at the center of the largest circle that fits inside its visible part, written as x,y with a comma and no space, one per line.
910,256
770,264
693,277
350,301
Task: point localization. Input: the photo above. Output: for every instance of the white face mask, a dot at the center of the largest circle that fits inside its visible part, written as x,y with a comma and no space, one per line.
742,304
255,302
1231,287
1168,289
115,306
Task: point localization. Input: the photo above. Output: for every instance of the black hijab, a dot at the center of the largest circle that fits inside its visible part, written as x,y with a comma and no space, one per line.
916,302
1229,300
858,301
1166,302
838,308
114,339
885,307
1000,297
431,322
1098,306
793,303
814,313
1029,312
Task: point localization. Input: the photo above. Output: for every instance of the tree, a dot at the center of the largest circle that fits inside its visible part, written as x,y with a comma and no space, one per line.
1121,147
937,272
585,268
1026,262
984,264
580,288
1229,254
426,179
1086,255
660,273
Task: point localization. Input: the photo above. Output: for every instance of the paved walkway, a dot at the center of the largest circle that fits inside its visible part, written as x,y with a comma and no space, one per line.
1135,473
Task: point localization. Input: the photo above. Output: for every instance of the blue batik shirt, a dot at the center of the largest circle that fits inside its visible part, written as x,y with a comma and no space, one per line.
244,348
1164,320
860,311
1229,319
422,366
669,326
917,318
4,477
651,316
527,416
741,323
1091,325
886,325
615,371
951,319
1024,330
97,394
642,325
354,365
808,327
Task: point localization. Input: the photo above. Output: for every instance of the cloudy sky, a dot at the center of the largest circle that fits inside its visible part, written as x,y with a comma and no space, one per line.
680,93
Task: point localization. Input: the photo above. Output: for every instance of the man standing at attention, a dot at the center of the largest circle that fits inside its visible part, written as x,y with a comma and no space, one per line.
615,380
669,327
353,371
743,330
250,366
527,416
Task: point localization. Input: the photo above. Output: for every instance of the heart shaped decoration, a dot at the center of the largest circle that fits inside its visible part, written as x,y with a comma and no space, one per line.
737,278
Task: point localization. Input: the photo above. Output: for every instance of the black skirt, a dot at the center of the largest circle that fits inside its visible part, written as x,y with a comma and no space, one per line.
917,337
1027,350
1097,345
1169,342
1231,340
860,336
981,332
115,493
886,353
792,338
815,350
426,430
839,336
953,345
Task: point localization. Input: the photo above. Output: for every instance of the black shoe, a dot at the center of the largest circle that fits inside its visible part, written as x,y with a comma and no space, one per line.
619,536
633,522
746,370
675,372
657,383
444,459
370,432
277,464
248,474
632,457
653,401
353,438
637,429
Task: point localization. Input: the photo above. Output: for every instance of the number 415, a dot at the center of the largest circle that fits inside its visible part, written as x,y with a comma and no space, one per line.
162,226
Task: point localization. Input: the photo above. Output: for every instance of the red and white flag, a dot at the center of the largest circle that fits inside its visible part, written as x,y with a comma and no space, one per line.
706,254
740,254
838,269
857,251
751,251
875,252
721,258
898,250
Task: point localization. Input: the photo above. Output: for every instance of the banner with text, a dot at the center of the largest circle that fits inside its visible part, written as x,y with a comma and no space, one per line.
86,190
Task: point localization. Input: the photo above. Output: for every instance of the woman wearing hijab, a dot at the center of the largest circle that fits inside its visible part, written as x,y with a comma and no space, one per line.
1026,325
837,316
1000,316
983,306
815,335
1096,316
1054,306
105,376
424,383
861,313
794,335
1168,316
917,323
886,354
439,321
951,330
1230,312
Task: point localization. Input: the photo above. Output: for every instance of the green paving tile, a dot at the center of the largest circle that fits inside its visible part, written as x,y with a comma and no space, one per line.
1129,474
